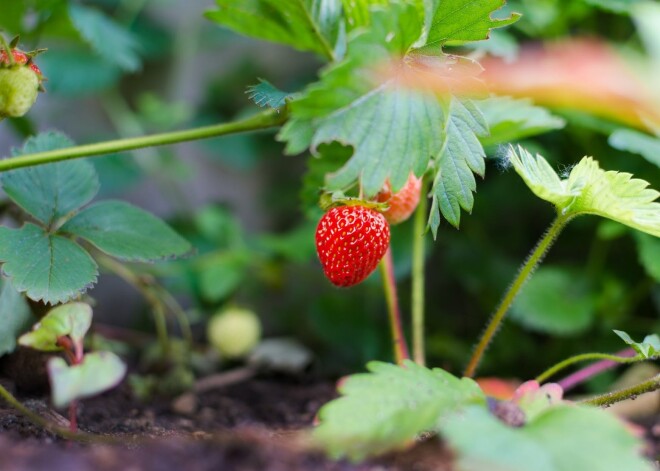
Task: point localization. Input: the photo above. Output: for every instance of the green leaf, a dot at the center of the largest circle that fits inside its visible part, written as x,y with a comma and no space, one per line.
512,119
393,129
223,275
126,232
388,407
15,317
556,300
77,73
98,372
647,19
266,94
648,348
72,320
112,42
331,158
458,20
51,191
616,6
648,249
563,438
638,143
590,190
307,25
47,267
462,156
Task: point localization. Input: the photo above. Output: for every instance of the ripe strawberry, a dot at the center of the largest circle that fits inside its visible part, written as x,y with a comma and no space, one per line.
350,241
20,83
403,203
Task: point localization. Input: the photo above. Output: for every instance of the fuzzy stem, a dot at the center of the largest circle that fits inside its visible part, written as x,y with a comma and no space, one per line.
263,120
523,275
580,376
418,279
608,399
389,285
585,357
4,45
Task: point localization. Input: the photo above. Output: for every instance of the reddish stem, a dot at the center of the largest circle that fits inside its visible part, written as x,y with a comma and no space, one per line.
401,351
73,416
580,376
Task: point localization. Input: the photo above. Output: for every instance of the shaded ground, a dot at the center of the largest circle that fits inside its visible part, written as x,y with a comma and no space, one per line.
254,425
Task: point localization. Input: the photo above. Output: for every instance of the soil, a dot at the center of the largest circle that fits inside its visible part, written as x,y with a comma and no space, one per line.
257,424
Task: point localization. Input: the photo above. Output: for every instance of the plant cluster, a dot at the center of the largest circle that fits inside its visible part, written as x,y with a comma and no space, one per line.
414,99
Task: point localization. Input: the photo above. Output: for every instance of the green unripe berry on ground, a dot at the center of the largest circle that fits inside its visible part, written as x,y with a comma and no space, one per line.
19,87
234,332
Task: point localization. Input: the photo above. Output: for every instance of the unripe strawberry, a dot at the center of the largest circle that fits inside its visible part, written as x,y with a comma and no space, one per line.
234,332
350,241
20,83
403,203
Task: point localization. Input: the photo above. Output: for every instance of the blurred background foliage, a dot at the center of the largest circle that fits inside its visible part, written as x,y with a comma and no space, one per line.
119,68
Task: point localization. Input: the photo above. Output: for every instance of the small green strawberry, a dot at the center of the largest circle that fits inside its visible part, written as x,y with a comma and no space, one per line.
20,83
234,332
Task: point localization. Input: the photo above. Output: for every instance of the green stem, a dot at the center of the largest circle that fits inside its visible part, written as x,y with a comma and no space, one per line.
585,357
143,287
389,285
4,45
263,120
418,250
523,275
608,399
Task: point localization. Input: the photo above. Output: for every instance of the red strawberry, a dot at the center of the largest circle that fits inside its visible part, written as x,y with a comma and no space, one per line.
350,241
403,203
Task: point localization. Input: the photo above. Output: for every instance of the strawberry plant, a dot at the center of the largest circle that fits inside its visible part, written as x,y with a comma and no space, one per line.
412,100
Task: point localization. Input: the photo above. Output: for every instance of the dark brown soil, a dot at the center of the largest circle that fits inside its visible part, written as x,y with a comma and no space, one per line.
257,425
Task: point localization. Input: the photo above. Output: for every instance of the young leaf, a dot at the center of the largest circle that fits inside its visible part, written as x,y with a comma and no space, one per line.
49,192
458,20
15,317
512,119
47,267
590,190
126,232
562,438
648,348
556,300
638,143
307,25
111,41
462,155
265,94
98,372
72,320
389,406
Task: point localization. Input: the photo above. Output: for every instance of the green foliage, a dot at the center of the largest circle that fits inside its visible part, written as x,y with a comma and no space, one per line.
46,267
514,119
126,232
649,254
43,260
15,316
638,143
562,438
460,21
307,25
112,42
647,348
72,320
50,192
389,406
98,372
77,72
590,190
461,156
616,6
556,300
266,94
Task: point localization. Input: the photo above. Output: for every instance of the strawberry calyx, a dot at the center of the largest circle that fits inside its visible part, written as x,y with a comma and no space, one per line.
337,199
11,56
